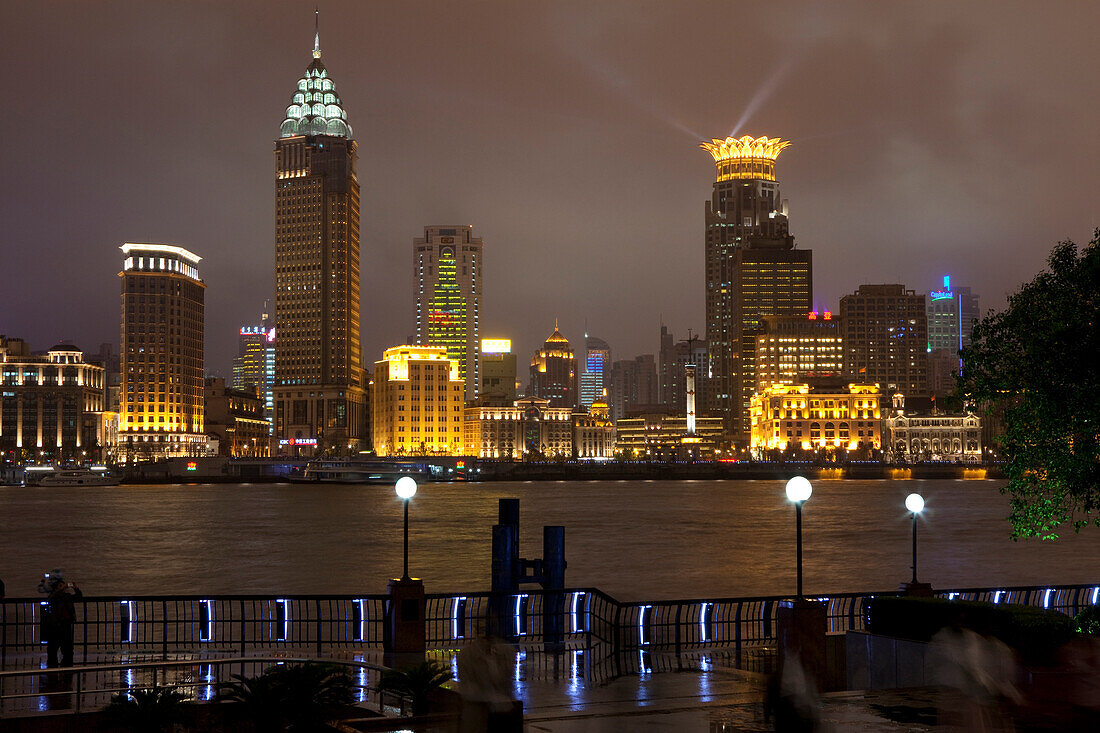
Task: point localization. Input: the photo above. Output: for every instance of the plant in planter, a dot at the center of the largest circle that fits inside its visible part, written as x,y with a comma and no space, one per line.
1088,621
417,682
150,710
296,697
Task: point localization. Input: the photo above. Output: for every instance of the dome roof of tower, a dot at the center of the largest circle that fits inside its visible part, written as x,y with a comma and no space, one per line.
315,107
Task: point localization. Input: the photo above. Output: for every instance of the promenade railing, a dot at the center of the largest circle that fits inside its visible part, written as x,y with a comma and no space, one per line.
323,625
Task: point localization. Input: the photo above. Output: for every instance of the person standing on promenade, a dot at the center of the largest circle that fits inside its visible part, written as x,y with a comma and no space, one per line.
58,621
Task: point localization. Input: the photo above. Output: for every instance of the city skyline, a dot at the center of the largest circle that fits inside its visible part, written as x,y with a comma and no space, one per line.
608,106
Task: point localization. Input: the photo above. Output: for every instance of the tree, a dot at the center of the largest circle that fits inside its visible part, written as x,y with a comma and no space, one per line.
1039,361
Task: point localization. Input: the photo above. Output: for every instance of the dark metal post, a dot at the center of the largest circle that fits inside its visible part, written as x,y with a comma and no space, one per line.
406,575
798,543
914,548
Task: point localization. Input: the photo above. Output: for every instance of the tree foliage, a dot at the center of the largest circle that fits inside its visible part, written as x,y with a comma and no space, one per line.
1039,361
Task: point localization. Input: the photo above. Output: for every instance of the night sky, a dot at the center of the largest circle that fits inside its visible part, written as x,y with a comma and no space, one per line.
927,139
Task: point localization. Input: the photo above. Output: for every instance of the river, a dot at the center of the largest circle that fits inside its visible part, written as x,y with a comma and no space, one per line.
637,540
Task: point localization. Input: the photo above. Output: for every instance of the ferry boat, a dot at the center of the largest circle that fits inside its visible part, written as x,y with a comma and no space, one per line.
79,476
352,471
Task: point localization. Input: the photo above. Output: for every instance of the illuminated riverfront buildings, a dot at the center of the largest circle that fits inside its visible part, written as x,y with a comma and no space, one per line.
254,365
932,435
662,436
498,369
416,402
447,272
161,390
822,414
886,338
753,269
320,385
596,370
554,372
531,427
52,406
788,348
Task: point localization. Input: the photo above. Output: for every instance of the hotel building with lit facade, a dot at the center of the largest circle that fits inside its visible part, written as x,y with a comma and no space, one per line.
788,348
554,372
161,388
829,413
320,385
447,271
417,401
753,270
918,435
52,405
664,436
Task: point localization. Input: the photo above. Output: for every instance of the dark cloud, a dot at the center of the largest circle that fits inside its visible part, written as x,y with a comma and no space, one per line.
929,138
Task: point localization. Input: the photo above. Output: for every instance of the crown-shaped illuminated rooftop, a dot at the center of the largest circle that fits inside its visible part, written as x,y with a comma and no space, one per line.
315,107
745,157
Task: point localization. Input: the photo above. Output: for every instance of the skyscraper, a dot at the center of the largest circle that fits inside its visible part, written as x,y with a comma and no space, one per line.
952,313
447,271
752,269
791,348
161,391
498,369
886,338
254,364
674,358
554,372
596,375
634,386
320,386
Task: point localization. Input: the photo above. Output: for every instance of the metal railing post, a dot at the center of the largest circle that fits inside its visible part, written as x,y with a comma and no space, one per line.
79,689
164,629
244,627
679,608
84,634
737,635
317,608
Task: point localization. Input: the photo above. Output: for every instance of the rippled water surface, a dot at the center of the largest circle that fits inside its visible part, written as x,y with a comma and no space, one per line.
634,539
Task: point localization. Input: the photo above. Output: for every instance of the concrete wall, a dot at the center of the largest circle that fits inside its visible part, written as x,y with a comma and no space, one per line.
883,662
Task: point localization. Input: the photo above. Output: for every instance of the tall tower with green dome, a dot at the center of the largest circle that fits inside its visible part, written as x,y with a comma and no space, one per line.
320,386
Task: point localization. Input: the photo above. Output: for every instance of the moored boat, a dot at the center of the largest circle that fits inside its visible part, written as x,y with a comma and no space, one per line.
80,476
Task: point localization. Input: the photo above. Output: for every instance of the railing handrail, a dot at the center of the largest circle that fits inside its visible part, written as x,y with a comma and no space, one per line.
189,663
537,591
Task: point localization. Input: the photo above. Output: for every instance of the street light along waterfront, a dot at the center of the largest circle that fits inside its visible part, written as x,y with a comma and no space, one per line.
406,489
798,491
915,504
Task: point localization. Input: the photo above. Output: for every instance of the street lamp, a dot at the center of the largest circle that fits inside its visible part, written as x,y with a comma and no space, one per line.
798,491
406,489
915,504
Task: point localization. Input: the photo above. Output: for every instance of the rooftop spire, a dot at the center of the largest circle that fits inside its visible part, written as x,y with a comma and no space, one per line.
316,33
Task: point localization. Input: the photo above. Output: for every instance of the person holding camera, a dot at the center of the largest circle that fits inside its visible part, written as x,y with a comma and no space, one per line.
59,618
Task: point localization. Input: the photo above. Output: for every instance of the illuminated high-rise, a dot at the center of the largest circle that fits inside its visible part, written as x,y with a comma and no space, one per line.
952,313
554,372
753,270
254,364
320,385
447,273
886,338
161,390
596,374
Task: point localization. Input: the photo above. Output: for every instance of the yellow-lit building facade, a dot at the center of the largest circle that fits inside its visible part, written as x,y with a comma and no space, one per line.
828,416
161,389
527,428
790,347
417,400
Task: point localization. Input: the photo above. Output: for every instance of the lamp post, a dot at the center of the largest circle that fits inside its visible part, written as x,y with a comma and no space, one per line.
915,504
406,489
798,491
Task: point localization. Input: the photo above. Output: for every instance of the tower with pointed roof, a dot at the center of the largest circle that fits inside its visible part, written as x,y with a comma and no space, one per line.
554,372
320,385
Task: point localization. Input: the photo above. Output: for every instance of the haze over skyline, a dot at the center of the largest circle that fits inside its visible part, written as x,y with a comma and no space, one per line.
927,140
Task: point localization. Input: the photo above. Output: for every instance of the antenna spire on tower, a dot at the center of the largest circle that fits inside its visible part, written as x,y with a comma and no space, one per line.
316,33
